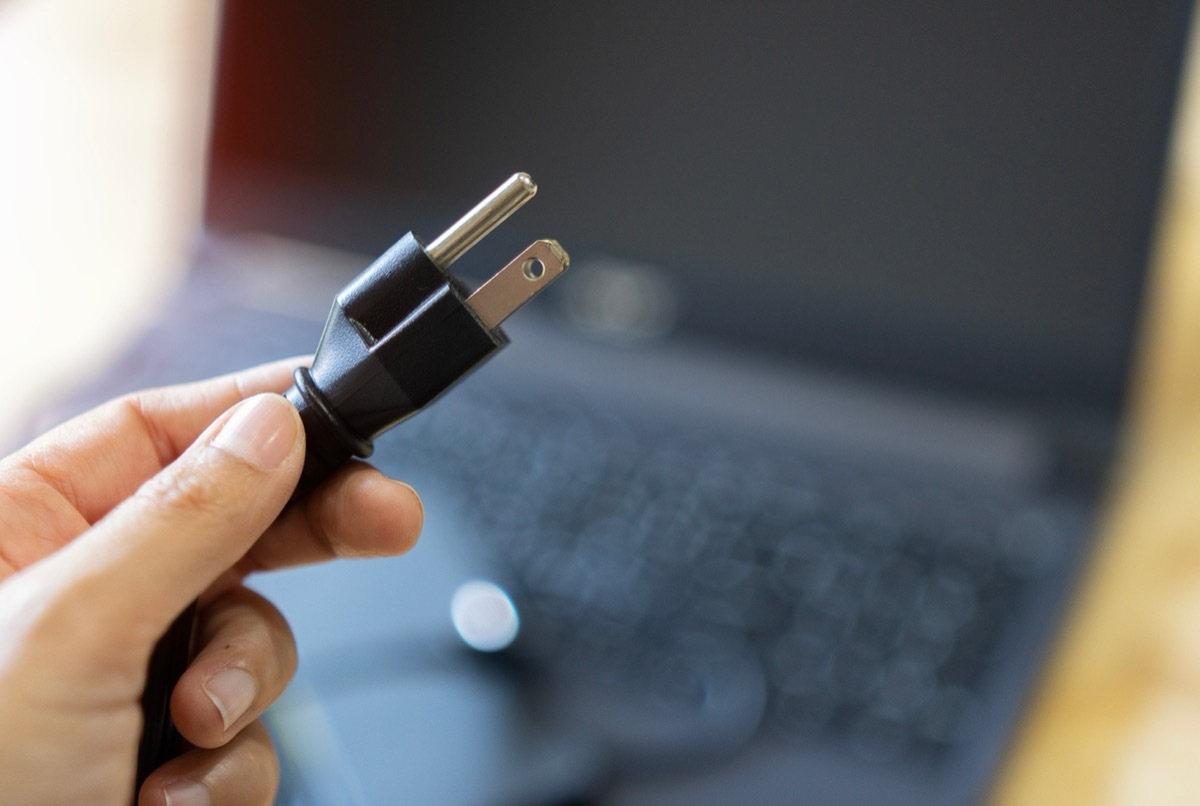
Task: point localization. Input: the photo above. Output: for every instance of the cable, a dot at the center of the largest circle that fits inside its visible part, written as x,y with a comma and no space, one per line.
400,334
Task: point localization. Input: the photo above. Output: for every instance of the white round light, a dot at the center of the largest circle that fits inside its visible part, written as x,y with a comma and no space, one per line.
484,616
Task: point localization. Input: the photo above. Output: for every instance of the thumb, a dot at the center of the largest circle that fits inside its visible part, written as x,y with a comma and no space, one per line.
160,548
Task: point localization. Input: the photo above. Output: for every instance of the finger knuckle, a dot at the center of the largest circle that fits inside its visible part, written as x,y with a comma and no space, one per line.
192,490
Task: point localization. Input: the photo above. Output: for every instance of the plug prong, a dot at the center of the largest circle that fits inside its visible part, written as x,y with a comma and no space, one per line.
483,218
518,282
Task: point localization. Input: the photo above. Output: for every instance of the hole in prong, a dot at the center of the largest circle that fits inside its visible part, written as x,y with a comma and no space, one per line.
533,269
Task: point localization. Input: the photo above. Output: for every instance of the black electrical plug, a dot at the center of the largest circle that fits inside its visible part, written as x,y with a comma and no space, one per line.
405,330
400,334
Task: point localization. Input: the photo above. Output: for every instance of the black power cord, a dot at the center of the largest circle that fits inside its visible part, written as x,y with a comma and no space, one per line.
400,334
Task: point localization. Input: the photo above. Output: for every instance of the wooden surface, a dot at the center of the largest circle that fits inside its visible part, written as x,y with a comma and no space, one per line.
1117,717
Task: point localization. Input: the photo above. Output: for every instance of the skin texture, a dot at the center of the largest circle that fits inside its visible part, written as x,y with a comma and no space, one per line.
109,526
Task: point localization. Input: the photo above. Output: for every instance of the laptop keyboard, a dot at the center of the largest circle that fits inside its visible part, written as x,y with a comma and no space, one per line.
869,604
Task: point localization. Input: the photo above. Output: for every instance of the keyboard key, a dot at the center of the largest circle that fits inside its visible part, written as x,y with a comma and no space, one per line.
877,737
805,564
944,716
947,603
904,686
1031,542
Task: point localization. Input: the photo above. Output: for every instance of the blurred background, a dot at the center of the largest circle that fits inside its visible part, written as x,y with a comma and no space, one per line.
103,139
102,154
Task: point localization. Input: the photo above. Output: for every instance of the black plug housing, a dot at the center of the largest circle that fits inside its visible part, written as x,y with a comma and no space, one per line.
399,335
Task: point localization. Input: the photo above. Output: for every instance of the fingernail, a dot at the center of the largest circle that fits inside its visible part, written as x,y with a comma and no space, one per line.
231,691
186,793
261,431
420,503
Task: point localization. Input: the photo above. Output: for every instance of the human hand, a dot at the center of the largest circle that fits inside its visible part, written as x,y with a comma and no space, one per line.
110,525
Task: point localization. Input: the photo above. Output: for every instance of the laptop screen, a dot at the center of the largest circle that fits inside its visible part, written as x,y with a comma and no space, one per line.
957,193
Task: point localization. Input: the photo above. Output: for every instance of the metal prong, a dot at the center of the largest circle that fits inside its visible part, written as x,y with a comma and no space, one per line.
517,283
483,218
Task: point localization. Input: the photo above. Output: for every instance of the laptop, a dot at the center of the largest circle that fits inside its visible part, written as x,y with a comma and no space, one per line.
779,495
